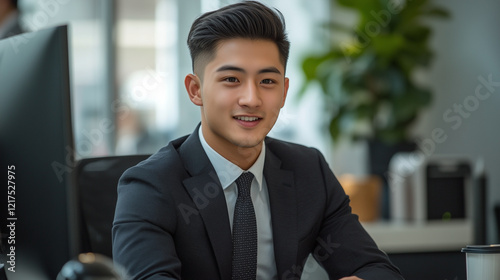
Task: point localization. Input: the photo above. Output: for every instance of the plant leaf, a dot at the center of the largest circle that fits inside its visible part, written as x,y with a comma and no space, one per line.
387,46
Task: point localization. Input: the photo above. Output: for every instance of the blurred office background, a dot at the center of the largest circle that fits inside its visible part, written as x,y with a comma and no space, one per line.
129,59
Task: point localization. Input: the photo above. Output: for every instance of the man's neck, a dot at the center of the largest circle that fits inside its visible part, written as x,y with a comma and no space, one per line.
243,157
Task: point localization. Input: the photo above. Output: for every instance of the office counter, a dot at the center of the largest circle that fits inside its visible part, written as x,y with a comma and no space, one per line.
413,237
426,250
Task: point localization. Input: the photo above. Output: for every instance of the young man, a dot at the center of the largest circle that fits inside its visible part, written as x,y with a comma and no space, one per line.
226,202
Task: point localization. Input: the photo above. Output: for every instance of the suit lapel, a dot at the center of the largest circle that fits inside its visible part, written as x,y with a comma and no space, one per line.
206,191
283,204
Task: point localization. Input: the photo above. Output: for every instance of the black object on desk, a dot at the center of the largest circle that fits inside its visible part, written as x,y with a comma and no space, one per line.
446,188
431,265
90,266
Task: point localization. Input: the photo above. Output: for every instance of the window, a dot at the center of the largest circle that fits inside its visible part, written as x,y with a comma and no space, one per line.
90,45
147,75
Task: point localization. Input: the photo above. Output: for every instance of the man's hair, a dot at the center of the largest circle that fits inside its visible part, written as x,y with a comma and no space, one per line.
248,20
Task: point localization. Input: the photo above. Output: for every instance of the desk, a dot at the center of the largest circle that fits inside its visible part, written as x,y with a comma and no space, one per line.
426,250
432,236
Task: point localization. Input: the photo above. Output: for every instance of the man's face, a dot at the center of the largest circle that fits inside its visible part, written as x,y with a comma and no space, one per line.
242,91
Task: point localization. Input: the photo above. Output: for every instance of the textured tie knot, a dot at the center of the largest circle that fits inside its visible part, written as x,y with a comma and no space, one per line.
244,182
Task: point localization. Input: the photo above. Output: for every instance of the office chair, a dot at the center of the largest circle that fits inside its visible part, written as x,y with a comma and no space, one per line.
97,180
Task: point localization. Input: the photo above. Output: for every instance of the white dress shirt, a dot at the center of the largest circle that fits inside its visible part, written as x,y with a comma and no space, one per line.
227,173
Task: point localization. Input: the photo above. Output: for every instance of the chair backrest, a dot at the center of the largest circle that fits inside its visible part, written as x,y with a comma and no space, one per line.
97,180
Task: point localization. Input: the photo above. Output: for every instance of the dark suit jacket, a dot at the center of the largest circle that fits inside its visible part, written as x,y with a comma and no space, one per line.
171,218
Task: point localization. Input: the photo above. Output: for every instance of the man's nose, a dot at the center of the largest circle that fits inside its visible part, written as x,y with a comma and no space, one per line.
250,96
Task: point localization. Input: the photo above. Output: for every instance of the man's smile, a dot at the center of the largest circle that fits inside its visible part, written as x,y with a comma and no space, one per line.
247,119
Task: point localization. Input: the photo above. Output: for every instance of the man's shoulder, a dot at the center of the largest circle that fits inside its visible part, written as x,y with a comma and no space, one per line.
165,161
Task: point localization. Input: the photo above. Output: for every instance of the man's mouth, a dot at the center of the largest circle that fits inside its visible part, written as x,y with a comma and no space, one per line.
246,119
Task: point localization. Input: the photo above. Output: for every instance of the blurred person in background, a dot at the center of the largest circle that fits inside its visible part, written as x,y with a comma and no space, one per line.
9,19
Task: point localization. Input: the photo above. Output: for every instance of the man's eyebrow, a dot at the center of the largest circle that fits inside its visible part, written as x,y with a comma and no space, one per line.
230,68
271,69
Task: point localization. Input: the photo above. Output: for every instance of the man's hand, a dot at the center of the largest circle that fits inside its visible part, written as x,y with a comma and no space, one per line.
351,278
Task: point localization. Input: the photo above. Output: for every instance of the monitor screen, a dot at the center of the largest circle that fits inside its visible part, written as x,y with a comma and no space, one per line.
38,204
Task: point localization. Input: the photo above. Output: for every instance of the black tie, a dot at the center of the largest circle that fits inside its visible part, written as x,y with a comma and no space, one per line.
244,232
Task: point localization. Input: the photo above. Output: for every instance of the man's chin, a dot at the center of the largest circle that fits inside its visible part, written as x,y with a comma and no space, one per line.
249,144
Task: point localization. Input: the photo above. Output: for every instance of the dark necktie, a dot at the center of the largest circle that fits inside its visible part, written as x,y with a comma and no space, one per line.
244,232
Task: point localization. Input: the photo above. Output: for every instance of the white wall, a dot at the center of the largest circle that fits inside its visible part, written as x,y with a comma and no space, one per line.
467,47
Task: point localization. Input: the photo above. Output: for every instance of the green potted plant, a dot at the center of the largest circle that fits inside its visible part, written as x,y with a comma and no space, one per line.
368,79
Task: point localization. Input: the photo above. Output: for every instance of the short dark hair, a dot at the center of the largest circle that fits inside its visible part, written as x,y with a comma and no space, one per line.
248,19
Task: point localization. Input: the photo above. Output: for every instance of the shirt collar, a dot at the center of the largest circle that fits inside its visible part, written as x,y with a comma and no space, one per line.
227,171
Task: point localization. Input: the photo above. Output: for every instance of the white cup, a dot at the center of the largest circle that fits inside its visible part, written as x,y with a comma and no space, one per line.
483,262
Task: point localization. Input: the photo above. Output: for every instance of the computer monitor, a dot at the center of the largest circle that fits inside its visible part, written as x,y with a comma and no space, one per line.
38,204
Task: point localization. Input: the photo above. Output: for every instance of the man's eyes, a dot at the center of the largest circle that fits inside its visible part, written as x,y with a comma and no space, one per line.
268,81
231,79
235,80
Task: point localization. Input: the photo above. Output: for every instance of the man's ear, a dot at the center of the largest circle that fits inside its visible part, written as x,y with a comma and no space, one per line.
287,83
193,88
